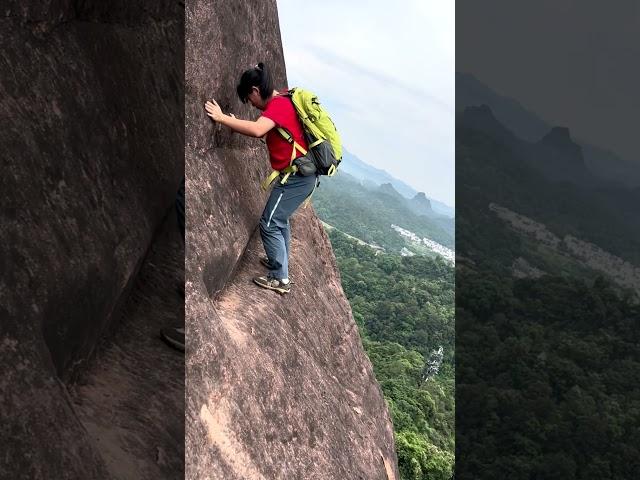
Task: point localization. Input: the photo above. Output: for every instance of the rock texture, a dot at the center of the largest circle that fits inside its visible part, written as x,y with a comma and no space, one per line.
278,387
131,399
91,148
90,151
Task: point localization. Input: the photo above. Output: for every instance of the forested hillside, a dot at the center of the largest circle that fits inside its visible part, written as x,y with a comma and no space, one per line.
404,308
547,365
368,214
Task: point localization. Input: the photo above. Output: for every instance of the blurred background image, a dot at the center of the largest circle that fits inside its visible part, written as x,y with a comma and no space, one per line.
547,273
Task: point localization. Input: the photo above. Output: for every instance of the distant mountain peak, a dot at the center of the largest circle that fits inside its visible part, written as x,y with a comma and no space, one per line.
480,113
374,177
559,139
421,205
482,119
558,135
421,199
526,124
472,92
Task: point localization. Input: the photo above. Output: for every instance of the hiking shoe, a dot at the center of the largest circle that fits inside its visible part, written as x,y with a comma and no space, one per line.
174,336
265,261
273,284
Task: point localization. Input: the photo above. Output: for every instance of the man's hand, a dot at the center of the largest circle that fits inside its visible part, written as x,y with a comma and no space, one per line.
214,110
258,128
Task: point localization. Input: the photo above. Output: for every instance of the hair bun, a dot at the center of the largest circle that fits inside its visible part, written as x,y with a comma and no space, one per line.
260,66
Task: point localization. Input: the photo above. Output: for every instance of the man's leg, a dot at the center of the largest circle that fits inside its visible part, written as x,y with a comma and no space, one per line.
286,233
274,228
272,239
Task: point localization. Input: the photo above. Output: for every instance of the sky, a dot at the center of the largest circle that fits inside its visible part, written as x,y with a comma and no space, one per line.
386,74
575,63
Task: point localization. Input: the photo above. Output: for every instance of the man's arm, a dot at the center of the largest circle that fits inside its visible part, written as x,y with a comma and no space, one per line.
259,128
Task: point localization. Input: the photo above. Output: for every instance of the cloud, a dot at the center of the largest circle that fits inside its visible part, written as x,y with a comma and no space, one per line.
387,77
383,78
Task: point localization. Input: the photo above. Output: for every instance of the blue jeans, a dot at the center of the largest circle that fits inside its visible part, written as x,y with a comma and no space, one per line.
274,223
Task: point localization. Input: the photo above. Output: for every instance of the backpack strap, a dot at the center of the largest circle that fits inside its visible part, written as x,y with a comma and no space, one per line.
269,180
276,173
291,168
296,146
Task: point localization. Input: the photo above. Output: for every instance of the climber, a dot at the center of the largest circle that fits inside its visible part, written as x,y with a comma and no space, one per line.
256,87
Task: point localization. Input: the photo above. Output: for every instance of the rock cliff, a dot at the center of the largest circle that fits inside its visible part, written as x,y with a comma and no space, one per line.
277,387
91,147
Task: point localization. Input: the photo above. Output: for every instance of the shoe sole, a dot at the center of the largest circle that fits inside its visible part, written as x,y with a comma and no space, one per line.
281,291
173,343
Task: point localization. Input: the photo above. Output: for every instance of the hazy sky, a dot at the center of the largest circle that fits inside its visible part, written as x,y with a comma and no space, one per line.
574,63
386,73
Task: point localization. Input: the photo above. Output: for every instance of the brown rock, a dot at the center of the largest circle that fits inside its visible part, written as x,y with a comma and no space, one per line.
91,147
278,387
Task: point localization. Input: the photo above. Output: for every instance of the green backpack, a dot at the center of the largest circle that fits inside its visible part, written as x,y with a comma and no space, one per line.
325,146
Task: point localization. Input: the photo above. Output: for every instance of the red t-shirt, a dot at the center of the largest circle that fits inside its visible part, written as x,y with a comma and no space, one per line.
283,113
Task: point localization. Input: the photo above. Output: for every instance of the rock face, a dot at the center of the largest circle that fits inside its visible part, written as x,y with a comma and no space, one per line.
91,142
421,205
278,387
90,151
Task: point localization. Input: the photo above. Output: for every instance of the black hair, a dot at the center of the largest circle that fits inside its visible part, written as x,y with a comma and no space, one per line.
257,76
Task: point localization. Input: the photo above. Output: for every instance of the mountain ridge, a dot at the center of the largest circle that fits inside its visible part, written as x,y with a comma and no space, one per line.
367,212
366,173
555,155
524,177
528,126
